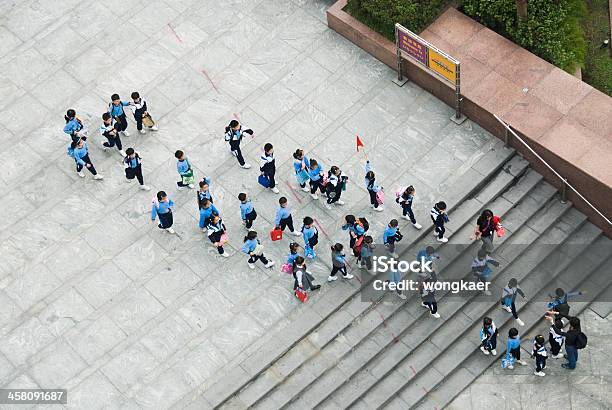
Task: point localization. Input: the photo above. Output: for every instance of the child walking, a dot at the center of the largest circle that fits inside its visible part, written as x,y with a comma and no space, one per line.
162,209
367,251
373,188
233,135
268,166
283,217
294,248
109,130
404,197
336,183
115,109
74,125
302,278
311,237
426,258
390,236
513,350
133,168
247,210
184,169
509,296
206,213
315,172
488,337
254,249
485,227
338,263
204,191
556,337
216,234
539,352
439,218
301,168
79,150
139,108
428,295
357,227
481,269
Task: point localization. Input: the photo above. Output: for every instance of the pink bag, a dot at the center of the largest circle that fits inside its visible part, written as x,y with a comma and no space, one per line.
287,268
224,238
380,197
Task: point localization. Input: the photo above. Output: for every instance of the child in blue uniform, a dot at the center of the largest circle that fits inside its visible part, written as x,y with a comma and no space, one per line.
372,187
390,236
488,337
74,125
115,109
338,263
79,150
254,249
109,130
140,110
513,349
315,172
247,210
204,191
268,166
206,213
162,209
405,199
311,237
283,217
539,352
509,297
133,168
215,231
439,218
184,169
301,164
233,135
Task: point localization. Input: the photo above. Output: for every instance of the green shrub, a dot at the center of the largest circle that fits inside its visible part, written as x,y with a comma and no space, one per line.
381,15
551,31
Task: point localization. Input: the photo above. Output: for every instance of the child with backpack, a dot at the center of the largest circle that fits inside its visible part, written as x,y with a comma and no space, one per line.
357,227
141,113
539,352
162,209
268,166
302,278
184,170
74,125
374,190
513,350
338,263
366,253
204,191
254,249
439,218
216,232
109,130
404,197
426,258
509,296
133,168
317,179
115,109
79,150
311,237
336,183
233,135
558,307
428,295
390,236
481,269
206,213
301,168
247,210
488,337
283,217
556,337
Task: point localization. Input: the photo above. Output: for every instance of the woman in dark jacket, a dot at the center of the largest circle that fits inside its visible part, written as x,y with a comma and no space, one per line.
485,227
570,343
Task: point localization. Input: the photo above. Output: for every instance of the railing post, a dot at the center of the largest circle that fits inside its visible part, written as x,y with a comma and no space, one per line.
458,118
506,136
400,76
564,191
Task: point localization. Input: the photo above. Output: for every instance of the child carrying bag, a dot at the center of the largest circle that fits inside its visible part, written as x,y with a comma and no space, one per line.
276,235
301,295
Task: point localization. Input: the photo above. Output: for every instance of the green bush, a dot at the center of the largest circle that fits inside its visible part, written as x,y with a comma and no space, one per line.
381,15
551,31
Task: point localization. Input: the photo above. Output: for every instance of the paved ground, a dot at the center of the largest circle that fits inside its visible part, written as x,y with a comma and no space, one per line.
94,297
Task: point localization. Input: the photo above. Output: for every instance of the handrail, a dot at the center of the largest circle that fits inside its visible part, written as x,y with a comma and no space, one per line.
508,128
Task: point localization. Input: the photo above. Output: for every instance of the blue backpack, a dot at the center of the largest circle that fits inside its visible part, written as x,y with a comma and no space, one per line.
70,151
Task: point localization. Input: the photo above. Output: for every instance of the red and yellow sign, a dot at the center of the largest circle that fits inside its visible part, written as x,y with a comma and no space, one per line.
442,65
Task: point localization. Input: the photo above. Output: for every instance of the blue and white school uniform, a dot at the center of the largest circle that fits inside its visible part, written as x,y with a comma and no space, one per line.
299,165
372,186
215,232
250,247
163,211
247,213
311,238
81,158
267,166
73,128
206,214
118,113
316,179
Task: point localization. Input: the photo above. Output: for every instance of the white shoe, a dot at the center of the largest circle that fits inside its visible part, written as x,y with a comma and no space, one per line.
339,202
443,240
401,296
379,209
170,230
394,255
510,367
487,292
522,362
305,189
246,166
144,187
507,309
154,128
332,278
328,206
520,322
275,190
225,255
205,230
142,131
494,352
269,264
98,177
406,217
125,133
122,152
424,305
540,374
347,276
251,265
191,186
557,356
296,233
314,196
416,225
485,351
436,315
81,174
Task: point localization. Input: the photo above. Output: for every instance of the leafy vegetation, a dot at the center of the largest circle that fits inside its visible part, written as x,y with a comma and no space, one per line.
596,26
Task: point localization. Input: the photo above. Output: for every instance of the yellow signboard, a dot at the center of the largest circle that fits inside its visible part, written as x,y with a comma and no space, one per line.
442,65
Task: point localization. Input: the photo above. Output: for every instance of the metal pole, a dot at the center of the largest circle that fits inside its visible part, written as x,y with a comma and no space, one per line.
506,136
458,92
399,65
564,191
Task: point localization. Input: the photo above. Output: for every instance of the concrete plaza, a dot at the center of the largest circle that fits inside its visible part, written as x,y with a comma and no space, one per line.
95,298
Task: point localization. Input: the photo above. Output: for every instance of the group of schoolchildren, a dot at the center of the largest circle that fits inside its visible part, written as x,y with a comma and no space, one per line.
312,178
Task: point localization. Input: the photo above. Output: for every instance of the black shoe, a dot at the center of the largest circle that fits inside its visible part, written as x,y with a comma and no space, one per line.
315,287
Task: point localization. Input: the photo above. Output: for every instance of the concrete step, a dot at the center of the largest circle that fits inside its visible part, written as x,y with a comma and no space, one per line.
366,339
412,326
341,302
469,371
560,267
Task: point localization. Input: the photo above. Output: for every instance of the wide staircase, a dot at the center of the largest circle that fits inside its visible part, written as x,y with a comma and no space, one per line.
350,351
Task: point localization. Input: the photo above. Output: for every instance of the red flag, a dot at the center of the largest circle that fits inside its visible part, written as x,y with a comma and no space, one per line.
359,143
